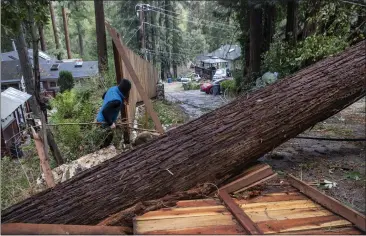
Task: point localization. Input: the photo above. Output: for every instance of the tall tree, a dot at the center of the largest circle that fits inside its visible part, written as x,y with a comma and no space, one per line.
291,22
41,37
256,39
168,38
66,32
162,49
55,31
269,25
101,36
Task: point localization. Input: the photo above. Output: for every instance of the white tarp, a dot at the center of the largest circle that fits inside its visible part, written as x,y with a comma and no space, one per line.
11,99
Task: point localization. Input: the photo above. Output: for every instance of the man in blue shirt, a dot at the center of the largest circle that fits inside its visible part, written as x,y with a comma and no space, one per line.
113,102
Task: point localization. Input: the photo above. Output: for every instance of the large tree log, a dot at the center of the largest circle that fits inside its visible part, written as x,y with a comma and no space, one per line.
207,149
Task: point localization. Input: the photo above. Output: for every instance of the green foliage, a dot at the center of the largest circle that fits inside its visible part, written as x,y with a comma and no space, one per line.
354,175
191,86
168,113
229,85
285,60
18,179
238,78
66,81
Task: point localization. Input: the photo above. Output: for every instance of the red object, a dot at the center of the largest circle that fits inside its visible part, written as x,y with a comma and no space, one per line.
206,87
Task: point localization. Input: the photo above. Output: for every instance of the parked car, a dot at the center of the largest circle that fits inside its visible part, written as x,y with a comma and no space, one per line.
185,79
208,87
196,77
219,74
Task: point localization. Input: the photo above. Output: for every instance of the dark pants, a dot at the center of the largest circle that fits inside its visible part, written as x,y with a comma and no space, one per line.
108,137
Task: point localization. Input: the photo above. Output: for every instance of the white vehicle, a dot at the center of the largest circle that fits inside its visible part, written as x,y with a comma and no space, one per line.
185,79
219,74
196,77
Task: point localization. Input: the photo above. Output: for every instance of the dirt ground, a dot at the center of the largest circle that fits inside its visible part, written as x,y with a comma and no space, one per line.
342,162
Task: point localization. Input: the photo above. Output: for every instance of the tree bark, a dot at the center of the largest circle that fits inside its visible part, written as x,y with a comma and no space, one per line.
80,37
167,39
291,24
153,34
269,25
41,37
66,31
256,37
101,36
26,67
55,32
206,150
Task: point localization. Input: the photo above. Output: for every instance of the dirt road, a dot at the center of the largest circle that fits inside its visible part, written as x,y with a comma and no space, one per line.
193,102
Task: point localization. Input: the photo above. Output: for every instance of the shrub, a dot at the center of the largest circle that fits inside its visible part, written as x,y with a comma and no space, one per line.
65,81
229,85
285,60
191,86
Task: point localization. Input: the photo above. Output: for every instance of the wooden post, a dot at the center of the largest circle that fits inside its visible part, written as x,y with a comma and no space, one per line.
119,76
135,79
66,29
46,169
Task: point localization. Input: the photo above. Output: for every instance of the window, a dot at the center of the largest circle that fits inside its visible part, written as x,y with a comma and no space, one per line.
53,84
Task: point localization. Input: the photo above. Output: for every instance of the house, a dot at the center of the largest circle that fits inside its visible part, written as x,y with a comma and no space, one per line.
13,102
229,53
11,74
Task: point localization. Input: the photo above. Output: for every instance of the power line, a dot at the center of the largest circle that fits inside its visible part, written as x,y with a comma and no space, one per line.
224,25
132,35
195,22
147,23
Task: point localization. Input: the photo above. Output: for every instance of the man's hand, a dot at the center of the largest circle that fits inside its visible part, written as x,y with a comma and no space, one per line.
113,126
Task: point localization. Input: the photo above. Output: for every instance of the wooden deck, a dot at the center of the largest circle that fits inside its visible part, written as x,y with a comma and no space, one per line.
276,210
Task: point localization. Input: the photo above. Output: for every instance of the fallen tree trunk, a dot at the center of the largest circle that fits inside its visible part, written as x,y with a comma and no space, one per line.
207,149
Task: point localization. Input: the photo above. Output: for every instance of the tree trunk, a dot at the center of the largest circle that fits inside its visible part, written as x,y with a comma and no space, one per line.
54,148
206,150
55,32
162,39
175,47
80,37
101,36
167,39
41,37
255,42
142,37
269,25
153,34
291,24
26,67
66,31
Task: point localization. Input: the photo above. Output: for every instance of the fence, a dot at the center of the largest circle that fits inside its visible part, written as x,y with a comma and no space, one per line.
147,75
143,76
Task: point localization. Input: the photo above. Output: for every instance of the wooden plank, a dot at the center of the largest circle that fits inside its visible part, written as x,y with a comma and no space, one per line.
183,212
243,219
256,183
327,231
248,179
49,229
264,215
140,227
198,203
135,79
273,198
330,203
281,205
119,76
215,229
290,225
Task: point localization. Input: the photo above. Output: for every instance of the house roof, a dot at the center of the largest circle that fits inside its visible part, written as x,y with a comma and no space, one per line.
10,71
11,99
226,52
13,55
88,69
213,60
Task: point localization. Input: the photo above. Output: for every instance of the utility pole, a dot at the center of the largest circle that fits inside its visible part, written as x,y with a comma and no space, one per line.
141,8
66,30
